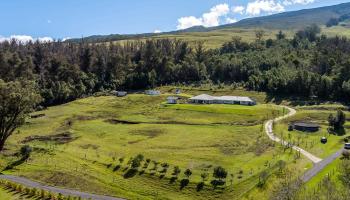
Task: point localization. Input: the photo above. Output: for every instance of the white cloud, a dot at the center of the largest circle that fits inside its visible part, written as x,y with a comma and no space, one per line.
209,19
187,22
259,6
291,2
157,31
66,38
231,20
25,38
44,39
238,9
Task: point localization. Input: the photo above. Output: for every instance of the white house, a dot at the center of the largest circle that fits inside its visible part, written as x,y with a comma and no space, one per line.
121,93
152,92
172,100
207,99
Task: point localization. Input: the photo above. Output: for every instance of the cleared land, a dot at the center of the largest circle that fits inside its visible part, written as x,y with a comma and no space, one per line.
215,39
77,145
311,141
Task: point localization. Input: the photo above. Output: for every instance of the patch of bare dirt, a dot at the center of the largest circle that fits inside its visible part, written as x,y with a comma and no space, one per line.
61,138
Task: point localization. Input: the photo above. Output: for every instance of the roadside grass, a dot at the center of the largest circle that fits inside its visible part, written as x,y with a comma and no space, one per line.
311,141
6,195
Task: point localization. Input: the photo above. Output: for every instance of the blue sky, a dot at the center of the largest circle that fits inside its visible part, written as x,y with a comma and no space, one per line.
75,18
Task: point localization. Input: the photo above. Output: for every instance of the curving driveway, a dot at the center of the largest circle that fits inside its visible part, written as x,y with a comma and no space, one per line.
272,136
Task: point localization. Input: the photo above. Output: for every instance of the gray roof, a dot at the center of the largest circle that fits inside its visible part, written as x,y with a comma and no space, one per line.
203,97
172,98
222,98
306,124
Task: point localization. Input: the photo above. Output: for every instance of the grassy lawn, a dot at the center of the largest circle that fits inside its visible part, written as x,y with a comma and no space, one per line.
311,141
7,195
77,145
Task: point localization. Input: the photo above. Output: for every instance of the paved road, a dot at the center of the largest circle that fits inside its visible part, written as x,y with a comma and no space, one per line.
318,167
65,192
272,136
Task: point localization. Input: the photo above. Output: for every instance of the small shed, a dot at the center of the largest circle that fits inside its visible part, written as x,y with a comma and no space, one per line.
306,126
121,93
152,92
172,100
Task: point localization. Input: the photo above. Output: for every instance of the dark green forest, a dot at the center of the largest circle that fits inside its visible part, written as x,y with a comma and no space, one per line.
309,65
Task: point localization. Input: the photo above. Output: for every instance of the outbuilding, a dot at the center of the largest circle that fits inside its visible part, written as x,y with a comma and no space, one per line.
172,100
306,126
121,93
152,92
207,99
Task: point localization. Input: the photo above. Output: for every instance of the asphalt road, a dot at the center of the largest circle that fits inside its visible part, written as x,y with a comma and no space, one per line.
65,192
318,167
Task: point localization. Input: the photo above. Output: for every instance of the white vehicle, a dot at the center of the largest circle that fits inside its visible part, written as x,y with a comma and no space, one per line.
347,146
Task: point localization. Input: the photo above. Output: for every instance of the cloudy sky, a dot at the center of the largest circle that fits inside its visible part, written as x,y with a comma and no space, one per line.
59,19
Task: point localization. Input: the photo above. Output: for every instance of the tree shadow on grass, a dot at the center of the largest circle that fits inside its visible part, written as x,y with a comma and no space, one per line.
184,183
141,172
116,168
200,186
172,180
130,173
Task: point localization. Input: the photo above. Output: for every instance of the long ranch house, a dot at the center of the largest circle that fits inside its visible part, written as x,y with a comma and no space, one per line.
207,99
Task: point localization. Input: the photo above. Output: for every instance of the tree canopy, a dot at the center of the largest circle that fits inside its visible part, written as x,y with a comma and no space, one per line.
17,99
308,65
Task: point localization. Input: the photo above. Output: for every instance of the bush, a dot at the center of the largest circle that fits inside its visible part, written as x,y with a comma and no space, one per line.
346,154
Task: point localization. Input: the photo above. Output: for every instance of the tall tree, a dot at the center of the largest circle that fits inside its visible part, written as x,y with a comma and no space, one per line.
17,99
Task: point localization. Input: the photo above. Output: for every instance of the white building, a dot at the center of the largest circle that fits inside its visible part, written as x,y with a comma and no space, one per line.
172,100
121,93
152,92
207,99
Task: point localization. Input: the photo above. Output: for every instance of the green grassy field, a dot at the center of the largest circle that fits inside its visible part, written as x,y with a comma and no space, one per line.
8,195
215,39
311,141
77,145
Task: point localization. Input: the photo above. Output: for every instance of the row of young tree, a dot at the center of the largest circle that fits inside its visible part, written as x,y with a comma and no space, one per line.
310,64
140,165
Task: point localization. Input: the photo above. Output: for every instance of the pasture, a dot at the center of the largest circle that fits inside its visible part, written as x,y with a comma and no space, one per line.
216,38
311,141
79,145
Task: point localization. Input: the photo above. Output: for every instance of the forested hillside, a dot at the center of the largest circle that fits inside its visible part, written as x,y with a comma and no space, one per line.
307,65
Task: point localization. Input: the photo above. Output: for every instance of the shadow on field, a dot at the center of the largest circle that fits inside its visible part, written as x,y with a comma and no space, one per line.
184,183
130,173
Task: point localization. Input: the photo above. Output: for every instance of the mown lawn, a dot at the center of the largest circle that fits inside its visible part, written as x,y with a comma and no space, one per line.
84,140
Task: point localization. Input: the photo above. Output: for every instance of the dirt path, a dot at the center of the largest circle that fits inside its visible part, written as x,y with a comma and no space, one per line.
272,136
65,192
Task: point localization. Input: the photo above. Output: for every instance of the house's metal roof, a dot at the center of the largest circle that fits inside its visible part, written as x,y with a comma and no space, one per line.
203,97
233,98
221,98
172,98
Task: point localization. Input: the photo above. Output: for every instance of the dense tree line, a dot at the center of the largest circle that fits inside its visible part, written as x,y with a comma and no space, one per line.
310,64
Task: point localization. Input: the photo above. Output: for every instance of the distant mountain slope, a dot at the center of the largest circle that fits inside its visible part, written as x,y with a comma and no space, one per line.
294,19
283,21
